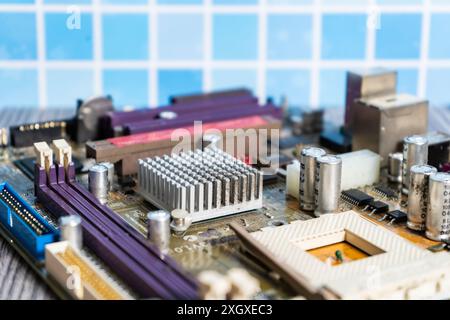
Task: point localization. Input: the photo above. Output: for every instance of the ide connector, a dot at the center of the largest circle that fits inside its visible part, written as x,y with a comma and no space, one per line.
207,184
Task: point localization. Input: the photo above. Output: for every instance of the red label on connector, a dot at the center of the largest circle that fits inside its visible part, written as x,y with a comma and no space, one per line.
141,138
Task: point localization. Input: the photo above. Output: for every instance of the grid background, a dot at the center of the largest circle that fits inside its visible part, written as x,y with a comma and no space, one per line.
143,51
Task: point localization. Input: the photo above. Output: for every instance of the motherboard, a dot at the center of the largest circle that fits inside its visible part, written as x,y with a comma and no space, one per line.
104,205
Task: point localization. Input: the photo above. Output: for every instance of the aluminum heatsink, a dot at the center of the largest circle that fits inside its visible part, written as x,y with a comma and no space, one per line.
207,184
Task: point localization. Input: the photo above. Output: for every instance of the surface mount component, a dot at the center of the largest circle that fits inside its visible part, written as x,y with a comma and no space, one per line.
80,277
366,83
25,224
418,196
381,123
208,184
397,216
402,269
437,223
377,207
328,184
386,192
359,168
415,152
356,197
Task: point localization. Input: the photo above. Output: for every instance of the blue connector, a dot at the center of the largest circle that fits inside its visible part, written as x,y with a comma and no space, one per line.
27,226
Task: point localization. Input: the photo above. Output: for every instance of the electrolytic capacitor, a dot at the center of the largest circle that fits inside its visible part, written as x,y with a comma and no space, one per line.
395,162
158,228
328,184
308,157
71,231
415,151
438,213
418,195
110,168
98,182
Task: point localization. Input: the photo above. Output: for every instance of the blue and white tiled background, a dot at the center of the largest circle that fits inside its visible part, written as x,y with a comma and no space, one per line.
143,51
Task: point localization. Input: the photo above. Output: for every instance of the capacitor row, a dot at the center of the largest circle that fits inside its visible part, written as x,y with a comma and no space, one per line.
427,189
429,202
320,181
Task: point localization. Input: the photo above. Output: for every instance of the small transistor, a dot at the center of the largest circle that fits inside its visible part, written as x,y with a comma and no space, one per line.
356,197
376,207
397,216
385,191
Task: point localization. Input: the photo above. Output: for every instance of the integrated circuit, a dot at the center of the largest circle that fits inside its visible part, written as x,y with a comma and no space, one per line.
397,216
356,197
385,191
377,207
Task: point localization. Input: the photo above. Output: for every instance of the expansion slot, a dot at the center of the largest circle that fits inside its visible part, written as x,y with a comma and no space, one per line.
208,115
113,122
128,254
27,226
81,278
127,150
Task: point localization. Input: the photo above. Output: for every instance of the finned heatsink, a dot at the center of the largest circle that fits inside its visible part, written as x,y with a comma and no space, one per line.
207,184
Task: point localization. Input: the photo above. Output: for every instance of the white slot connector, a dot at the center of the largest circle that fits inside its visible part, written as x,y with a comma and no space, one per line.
78,276
359,168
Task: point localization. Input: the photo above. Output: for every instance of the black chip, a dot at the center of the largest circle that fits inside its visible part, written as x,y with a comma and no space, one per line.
378,207
336,141
398,215
386,191
356,197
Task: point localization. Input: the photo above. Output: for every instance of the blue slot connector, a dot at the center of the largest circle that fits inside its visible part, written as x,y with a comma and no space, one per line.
27,226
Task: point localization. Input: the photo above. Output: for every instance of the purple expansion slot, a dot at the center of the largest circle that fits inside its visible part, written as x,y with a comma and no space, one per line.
124,250
210,116
212,96
117,119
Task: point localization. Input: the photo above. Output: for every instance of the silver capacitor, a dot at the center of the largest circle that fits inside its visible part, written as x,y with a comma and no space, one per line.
98,182
418,196
395,163
328,184
110,168
308,157
438,214
158,230
415,151
71,231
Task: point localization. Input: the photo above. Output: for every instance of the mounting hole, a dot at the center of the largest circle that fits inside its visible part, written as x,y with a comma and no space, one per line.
276,223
